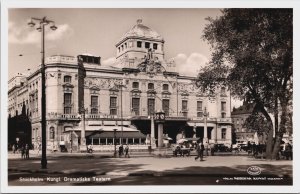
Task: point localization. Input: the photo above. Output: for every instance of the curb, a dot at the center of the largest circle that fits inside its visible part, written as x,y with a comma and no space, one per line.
134,174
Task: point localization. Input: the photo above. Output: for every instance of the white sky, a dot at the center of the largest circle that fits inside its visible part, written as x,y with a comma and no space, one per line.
96,31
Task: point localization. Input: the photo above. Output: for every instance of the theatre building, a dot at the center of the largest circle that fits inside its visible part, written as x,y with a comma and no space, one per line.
116,103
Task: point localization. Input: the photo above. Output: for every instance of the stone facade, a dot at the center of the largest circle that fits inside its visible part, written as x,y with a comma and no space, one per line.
81,92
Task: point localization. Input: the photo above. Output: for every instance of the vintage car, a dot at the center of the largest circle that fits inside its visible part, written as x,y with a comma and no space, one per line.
185,147
221,148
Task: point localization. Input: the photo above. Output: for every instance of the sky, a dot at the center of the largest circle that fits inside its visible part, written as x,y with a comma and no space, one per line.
96,31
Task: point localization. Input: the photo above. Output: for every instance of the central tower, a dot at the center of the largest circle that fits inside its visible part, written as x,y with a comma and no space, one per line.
135,45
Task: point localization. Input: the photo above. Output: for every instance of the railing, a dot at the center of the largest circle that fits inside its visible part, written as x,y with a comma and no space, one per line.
224,141
224,120
63,116
111,148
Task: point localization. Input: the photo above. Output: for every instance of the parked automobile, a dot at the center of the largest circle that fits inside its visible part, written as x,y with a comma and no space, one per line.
179,150
221,148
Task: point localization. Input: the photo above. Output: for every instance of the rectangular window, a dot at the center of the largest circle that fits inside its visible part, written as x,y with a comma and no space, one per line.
136,106
223,133
166,87
67,79
94,101
155,46
223,106
185,114
147,44
184,105
199,105
135,85
151,105
67,99
94,104
199,114
113,105
67,110
166,106
151,86
139,44
67,103
223,114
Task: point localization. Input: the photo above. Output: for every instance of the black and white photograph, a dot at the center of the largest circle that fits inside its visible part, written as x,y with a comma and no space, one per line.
148,96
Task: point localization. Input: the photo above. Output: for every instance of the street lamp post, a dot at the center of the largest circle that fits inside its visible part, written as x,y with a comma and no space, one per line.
120,86
43,22
115,143
205,114
83,140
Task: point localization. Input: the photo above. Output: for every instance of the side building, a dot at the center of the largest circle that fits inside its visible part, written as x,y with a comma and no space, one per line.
105,104
239,116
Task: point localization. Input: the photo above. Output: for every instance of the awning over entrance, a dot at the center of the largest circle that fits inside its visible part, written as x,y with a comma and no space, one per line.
111,134
106,128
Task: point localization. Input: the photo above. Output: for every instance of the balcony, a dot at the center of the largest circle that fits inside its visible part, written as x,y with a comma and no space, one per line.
226,120
59,116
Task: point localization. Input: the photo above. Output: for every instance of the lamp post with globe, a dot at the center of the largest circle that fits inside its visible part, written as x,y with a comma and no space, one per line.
41,28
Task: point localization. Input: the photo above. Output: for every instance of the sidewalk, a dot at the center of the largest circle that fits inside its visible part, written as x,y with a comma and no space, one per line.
97,164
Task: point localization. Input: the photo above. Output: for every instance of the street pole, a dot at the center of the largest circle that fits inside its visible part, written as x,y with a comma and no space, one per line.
41,28
44,143
205,126
83,140
152,137
121,114
115,143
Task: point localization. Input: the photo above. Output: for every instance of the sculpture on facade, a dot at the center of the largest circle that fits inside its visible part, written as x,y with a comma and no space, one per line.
149,64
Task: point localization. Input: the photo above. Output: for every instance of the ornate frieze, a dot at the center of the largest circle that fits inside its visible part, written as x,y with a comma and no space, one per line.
101,83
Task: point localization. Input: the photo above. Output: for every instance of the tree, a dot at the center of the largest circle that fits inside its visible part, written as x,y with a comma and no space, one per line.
253,57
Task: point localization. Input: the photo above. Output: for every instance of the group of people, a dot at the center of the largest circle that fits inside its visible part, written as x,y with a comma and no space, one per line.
122,150
287,151
24,150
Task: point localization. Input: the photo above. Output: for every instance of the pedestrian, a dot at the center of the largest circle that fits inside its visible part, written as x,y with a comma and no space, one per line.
206,148
126,151
27,151
288,152
212,150
14,148
23,152
39,148
121,150
90,148
17,148
198,148
201,151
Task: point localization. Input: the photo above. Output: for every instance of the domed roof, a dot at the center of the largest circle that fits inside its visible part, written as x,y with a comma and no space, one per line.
140,30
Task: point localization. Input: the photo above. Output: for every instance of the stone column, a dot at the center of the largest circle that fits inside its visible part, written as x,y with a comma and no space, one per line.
152,132
194,129
83,140
216,133
160,135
